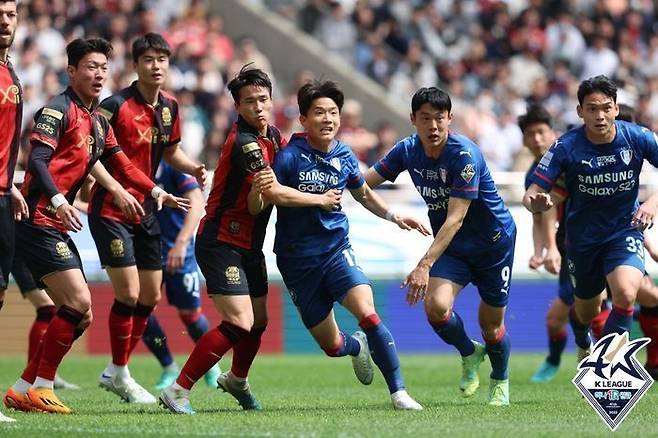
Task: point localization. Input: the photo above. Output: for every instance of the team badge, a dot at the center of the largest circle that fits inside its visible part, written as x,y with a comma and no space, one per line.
116,248
335,163
611,378
232,274
468,172
166,116
234,227
63,250
626,155
443,174
12,95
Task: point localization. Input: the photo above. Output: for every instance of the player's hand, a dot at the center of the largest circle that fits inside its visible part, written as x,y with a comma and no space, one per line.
69,215
263,180
540,202
21,210
176,256
201,175
643,217
410,223
129,206
552,261
171,201
535,262
417,282
330,200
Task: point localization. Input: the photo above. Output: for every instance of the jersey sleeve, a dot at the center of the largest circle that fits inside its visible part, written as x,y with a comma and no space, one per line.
284,167
49,125
248,154
111,144
550,167
184,182
355,179
392,164
109,108
176,127
466,170
649,146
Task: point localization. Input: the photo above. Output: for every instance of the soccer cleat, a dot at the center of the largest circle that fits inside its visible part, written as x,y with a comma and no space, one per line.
5,419
105,382
545,373
15,400
211,376
361,363
498,392
132,392
44,399
470,380
582,353
167,378
60,383
176,401
240,391
403,401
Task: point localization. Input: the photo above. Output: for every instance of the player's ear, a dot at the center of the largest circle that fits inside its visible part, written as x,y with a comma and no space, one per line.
579,110
70,70
412,117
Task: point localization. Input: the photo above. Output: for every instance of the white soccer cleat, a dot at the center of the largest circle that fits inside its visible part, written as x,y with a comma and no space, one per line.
132,392
361,362
5,419
105,382
403,401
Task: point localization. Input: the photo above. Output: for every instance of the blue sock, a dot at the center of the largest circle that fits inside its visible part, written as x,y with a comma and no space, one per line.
197,325
382,349
619,321
156,341
556,346
580,331
499,356
348,347
452,332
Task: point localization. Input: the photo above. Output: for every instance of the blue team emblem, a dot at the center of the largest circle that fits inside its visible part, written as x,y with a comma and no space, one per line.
626,155
611,378
443,174
335,163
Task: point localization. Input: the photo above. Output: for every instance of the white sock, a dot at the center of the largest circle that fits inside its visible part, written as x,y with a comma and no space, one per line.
40,382
21,386
171,367
177,387
236,378
121,372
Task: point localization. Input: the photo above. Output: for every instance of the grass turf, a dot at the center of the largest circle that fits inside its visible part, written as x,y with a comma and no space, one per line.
318,396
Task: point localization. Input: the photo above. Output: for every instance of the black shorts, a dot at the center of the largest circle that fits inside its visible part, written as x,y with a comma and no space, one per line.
230,270
23,276
120,245
46,250
6,239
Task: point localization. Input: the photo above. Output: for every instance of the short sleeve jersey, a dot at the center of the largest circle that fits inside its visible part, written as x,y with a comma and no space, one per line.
11,114
602,180
460,171
311,231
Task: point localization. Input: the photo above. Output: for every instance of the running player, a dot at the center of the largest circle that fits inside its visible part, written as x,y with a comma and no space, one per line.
474,237
147,124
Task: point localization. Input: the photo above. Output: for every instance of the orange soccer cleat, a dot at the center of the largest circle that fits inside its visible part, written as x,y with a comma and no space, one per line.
15,400
44,399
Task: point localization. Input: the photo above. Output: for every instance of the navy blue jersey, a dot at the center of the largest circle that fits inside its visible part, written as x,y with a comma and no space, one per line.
171,219
602,180
460,172
308,231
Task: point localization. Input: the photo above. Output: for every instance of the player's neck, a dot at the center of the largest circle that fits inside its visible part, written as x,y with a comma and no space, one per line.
149,92
321,146
434,152
4,55
88,102
601,139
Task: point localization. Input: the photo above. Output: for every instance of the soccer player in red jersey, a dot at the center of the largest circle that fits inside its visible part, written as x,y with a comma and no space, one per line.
69,140
229,247
147,124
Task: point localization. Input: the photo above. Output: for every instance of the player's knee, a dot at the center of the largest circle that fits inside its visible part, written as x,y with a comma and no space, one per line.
624,298
127,295
492,333
437,311
86,320
151,300
585,314
332,347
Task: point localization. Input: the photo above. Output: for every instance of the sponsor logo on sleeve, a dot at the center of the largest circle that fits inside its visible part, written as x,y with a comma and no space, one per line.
545,160
53,113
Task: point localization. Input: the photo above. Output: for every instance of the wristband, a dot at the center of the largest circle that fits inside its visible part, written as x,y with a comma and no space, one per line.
157,191
58,200
390,215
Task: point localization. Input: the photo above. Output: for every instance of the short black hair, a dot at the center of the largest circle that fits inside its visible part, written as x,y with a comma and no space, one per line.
597,84
627,113
315,90
435,96
79,48
151,40
249,76
534,114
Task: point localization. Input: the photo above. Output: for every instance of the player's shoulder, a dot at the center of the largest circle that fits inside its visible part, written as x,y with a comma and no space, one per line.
111,105
245,134
460,146
408,144
570,139
168,99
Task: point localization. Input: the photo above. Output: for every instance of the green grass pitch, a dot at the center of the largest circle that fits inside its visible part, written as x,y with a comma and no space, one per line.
315,396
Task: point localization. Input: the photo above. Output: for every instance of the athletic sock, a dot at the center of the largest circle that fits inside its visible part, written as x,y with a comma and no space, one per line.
451,330
384,354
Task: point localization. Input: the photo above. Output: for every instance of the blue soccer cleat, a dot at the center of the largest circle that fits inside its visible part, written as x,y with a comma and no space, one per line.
240,391
545,373
470,380
167,378
211,376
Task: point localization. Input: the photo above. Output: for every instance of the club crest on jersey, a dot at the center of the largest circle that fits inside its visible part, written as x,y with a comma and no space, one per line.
443,174
232,275
468,172
611,379
335,163
116,248
234,227
63,250
166,116
626,155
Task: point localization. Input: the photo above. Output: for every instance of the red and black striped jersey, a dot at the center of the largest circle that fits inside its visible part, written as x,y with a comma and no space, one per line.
227,216
11,114
143,131
78,137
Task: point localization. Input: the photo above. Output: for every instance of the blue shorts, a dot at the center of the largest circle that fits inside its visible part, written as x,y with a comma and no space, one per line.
182,288
565,288
489,271
315,283
589,268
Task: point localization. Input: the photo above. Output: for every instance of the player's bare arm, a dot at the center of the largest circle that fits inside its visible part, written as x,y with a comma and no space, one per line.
125,201
20,206
176,255
536,199
373,178
644,216
175,156
418,278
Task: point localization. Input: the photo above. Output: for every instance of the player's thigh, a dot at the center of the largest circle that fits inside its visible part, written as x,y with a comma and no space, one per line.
114,242
253,264
150,282
183,289
235,309
147,244
624,282
359,301
222,267
440,298
586,273
647,295
624,267
492,273
326,333
39,298
23,277
259,307
344,282
125,282
70,288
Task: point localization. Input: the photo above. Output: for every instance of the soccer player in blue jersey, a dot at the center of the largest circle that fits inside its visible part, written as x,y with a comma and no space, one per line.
180,277
474,237
314,254
601,162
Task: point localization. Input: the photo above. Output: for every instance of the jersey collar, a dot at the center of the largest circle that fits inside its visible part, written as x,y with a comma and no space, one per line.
75,98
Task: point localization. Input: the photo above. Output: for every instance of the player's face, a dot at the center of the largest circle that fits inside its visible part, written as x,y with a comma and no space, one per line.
8,22
255,106
152,68
321,122
598,112
431,125
88,77
538,137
